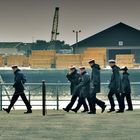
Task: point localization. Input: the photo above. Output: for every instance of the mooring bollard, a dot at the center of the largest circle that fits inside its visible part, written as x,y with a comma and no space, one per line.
44,111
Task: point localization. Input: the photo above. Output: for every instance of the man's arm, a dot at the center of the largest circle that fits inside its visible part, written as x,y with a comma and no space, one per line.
18,80
117,79
95,78
83,82
75,79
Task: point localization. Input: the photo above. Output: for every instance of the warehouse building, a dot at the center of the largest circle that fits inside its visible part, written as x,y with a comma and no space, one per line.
119,39
120,42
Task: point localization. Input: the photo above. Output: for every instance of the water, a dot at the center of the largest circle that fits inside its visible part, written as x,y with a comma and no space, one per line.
55,76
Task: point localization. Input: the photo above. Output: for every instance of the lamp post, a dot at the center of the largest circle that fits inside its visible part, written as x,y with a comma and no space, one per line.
77,37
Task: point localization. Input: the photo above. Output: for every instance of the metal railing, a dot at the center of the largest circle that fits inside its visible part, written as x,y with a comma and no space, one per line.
33,92
54,91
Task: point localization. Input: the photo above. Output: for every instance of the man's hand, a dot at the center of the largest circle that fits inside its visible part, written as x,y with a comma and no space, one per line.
70,72
91,89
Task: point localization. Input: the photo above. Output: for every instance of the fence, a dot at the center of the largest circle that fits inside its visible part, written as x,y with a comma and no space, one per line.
54,94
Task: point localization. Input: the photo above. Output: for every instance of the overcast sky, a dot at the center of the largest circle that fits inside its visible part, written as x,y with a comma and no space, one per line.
23,20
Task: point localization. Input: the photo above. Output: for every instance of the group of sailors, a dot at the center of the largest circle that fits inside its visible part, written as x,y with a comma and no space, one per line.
85,87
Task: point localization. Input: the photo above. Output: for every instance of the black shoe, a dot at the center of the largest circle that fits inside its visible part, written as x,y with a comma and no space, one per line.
28,111
65,110
120,111
91,112
84,111
110,110
103,109
74,110
6,110
129,110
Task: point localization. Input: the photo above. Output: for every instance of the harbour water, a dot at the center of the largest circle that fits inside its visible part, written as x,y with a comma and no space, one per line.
58,76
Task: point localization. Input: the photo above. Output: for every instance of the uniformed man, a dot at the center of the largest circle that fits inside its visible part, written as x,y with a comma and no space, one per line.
95,88
74,77
83,87
115,87
126,89
19,90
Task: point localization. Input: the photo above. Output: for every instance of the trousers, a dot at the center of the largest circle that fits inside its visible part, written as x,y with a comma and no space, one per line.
93,101
73,99
128,99
23,97
111,99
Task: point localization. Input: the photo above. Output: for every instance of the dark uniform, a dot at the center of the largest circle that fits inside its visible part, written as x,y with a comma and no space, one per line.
126,91
74,79
94,89
84,88
115,87
19,91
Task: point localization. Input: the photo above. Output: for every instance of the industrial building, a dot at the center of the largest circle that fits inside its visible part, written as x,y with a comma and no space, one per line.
120,42
118,39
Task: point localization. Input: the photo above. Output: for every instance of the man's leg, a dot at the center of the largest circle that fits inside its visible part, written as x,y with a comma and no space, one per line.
101,104
85,106
122,100
92,103
129,101
69,106
111,100
121,109
26,101
80,102
13,100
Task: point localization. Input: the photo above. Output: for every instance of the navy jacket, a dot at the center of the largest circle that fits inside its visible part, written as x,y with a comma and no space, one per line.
74,80
95,78
115,83
84,86
126,88
19,81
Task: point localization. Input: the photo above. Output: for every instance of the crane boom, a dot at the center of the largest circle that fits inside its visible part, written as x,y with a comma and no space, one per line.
54,32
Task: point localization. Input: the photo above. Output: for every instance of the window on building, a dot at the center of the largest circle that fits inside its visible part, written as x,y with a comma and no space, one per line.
120,43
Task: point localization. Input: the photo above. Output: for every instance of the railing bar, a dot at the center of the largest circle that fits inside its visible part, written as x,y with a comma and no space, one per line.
58,84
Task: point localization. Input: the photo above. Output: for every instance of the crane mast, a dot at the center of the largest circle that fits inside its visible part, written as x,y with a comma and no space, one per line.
54,32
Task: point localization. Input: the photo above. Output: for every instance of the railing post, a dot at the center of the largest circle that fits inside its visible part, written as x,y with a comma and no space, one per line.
57,98
29,96
1,97
43,98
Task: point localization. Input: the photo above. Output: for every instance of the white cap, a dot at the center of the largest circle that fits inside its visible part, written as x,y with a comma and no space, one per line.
124,68
82,67
14,66
112,61
72,67
91,60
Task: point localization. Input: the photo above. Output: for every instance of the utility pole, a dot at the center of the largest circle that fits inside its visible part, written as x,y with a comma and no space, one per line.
77,38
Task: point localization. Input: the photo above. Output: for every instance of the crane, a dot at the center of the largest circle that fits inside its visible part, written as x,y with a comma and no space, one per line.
54,32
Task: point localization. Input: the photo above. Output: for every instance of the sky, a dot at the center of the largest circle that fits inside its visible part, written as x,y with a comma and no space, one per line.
30,20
